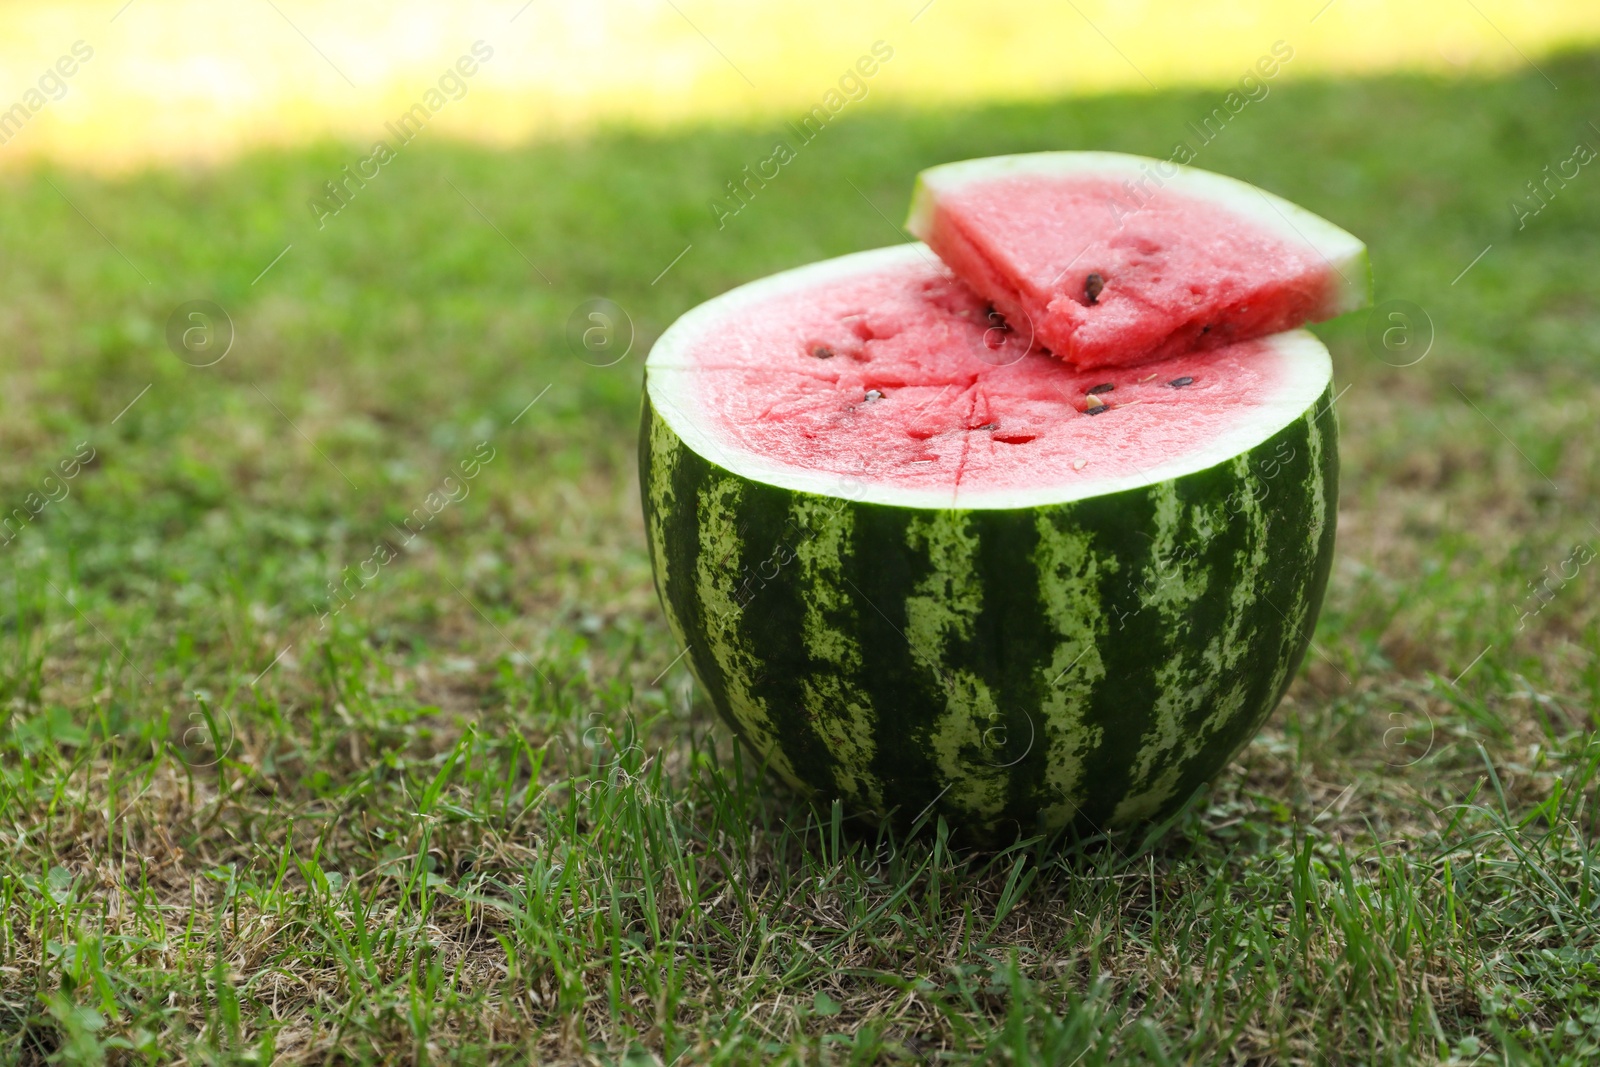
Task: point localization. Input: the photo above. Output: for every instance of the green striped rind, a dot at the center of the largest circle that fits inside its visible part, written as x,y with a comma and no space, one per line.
1090,663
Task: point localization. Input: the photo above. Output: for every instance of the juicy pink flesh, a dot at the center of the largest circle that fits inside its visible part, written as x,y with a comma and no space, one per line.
957,407
1180,274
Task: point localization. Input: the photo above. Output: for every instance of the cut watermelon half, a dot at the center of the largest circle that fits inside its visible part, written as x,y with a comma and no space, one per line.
925,568
1112,260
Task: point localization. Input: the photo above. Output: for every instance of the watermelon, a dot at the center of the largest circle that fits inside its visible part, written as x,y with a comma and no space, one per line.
1112,259
923,567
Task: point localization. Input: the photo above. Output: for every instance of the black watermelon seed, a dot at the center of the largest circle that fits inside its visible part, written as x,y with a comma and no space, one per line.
873,394
822,351
1179,383
1097,409
1105,387
1092,287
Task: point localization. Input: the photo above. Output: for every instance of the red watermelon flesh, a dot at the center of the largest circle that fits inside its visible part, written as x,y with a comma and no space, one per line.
883,368
1114,260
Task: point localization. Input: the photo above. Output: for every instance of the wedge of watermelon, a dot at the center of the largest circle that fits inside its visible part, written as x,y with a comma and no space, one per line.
1110,260
924,567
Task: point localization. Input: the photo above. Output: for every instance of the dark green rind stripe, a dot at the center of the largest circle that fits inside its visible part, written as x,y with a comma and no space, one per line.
1090,663
769,623
818,545
1264,586
882,570
659,453
680,490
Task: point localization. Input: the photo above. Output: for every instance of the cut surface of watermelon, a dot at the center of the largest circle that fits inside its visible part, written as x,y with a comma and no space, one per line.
881,377
1113,260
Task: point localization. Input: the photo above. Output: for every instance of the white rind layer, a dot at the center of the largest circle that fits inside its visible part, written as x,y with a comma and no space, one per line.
670,388
1345,255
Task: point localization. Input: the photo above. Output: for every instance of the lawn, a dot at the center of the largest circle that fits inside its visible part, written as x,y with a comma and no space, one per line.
316,748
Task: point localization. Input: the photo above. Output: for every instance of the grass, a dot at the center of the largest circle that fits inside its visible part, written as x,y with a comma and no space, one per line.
478,814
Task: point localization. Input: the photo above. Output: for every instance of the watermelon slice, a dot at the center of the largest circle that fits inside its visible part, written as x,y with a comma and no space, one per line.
923,566
1110,260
